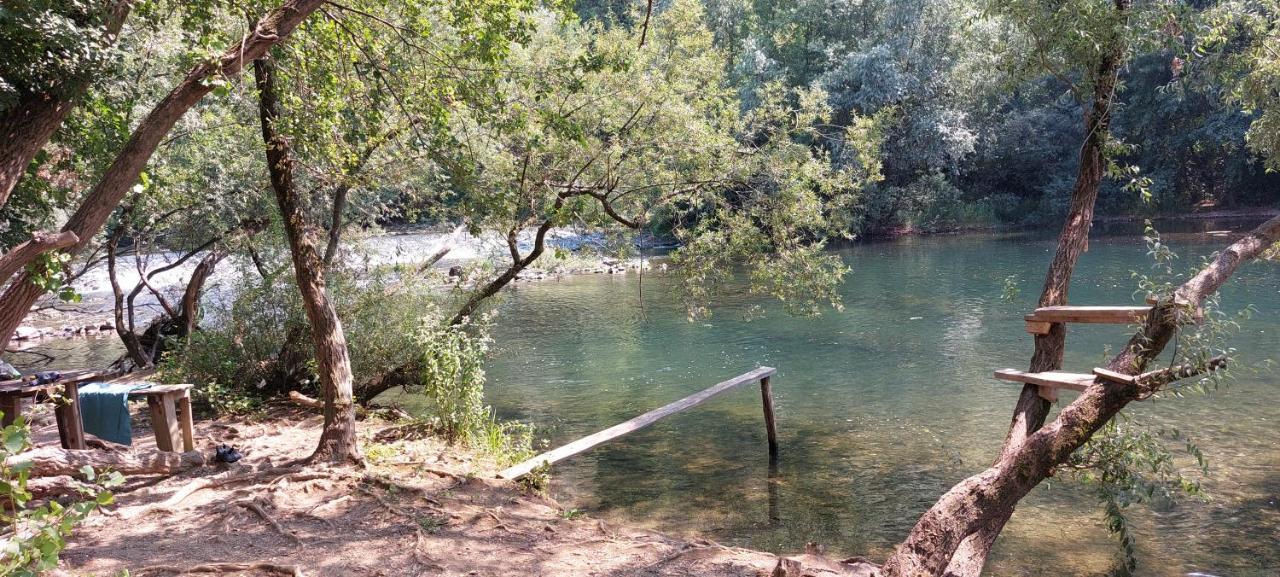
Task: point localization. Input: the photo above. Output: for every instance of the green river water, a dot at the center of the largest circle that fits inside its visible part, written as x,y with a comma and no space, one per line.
881,407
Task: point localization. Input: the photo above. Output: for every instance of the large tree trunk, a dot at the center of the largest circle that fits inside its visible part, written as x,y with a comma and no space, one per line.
1031,409
992,494
338,439
28,125
132,159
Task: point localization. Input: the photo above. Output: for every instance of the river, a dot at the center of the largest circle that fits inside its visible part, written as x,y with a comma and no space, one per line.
882,406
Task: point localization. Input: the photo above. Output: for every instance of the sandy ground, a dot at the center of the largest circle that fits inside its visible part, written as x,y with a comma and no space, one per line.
418,507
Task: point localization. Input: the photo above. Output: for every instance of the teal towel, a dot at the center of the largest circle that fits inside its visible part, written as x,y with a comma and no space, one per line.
105,410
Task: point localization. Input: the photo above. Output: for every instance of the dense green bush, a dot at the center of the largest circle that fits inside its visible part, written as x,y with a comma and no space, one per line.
258,344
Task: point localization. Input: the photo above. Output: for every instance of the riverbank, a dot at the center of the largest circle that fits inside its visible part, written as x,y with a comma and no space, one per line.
419,507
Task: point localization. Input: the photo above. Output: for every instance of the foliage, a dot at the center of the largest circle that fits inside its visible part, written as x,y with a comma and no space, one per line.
46,44
36,535
259,343
48,272
1242,38
450,359
1128,463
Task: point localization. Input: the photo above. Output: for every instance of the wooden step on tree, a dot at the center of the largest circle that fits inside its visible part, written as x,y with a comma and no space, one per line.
1042,319
1049,381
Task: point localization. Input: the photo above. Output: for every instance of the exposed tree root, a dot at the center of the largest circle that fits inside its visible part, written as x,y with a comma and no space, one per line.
291,570
211,483
257,508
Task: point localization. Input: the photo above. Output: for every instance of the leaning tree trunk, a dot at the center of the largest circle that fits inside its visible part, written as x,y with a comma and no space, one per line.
1031,410
29,124
991,495
338,439
132,159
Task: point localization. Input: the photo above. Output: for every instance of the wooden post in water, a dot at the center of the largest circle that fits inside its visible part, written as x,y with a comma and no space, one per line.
770,426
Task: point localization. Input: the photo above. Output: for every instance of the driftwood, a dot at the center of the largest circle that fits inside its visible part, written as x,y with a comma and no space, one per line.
50,461
316,404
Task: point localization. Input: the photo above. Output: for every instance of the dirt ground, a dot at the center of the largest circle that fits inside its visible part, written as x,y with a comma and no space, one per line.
418,507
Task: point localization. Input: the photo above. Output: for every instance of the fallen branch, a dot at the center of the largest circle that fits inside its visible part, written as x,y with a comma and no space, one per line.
51,461
291,570
58,486
40,243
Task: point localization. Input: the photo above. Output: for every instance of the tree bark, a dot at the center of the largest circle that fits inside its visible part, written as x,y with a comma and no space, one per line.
51,461
28,126
993,493
132,345
132,159
338,439
1031,409
23,254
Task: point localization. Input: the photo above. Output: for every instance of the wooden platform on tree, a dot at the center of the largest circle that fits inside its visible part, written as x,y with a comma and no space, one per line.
1049,381
1039,321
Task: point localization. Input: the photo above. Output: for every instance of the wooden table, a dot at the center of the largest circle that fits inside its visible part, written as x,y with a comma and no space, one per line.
170,407
67,412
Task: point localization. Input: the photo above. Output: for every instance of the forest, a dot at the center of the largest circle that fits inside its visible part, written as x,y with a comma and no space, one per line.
367,261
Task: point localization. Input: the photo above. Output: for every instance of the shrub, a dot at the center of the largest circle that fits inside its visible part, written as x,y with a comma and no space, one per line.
259,343
451,372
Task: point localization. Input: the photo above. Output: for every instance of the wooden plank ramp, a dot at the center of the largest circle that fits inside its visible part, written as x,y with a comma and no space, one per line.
561,453
1038,322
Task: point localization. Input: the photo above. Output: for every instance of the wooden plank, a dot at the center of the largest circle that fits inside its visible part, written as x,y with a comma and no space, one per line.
1089,314
164,420
186,421
1038,327
1114,377
11,405
580,445
1057,379
159,389
70,422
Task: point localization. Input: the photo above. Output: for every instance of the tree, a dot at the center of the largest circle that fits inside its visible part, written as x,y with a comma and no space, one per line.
129,163
596,129
338,439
